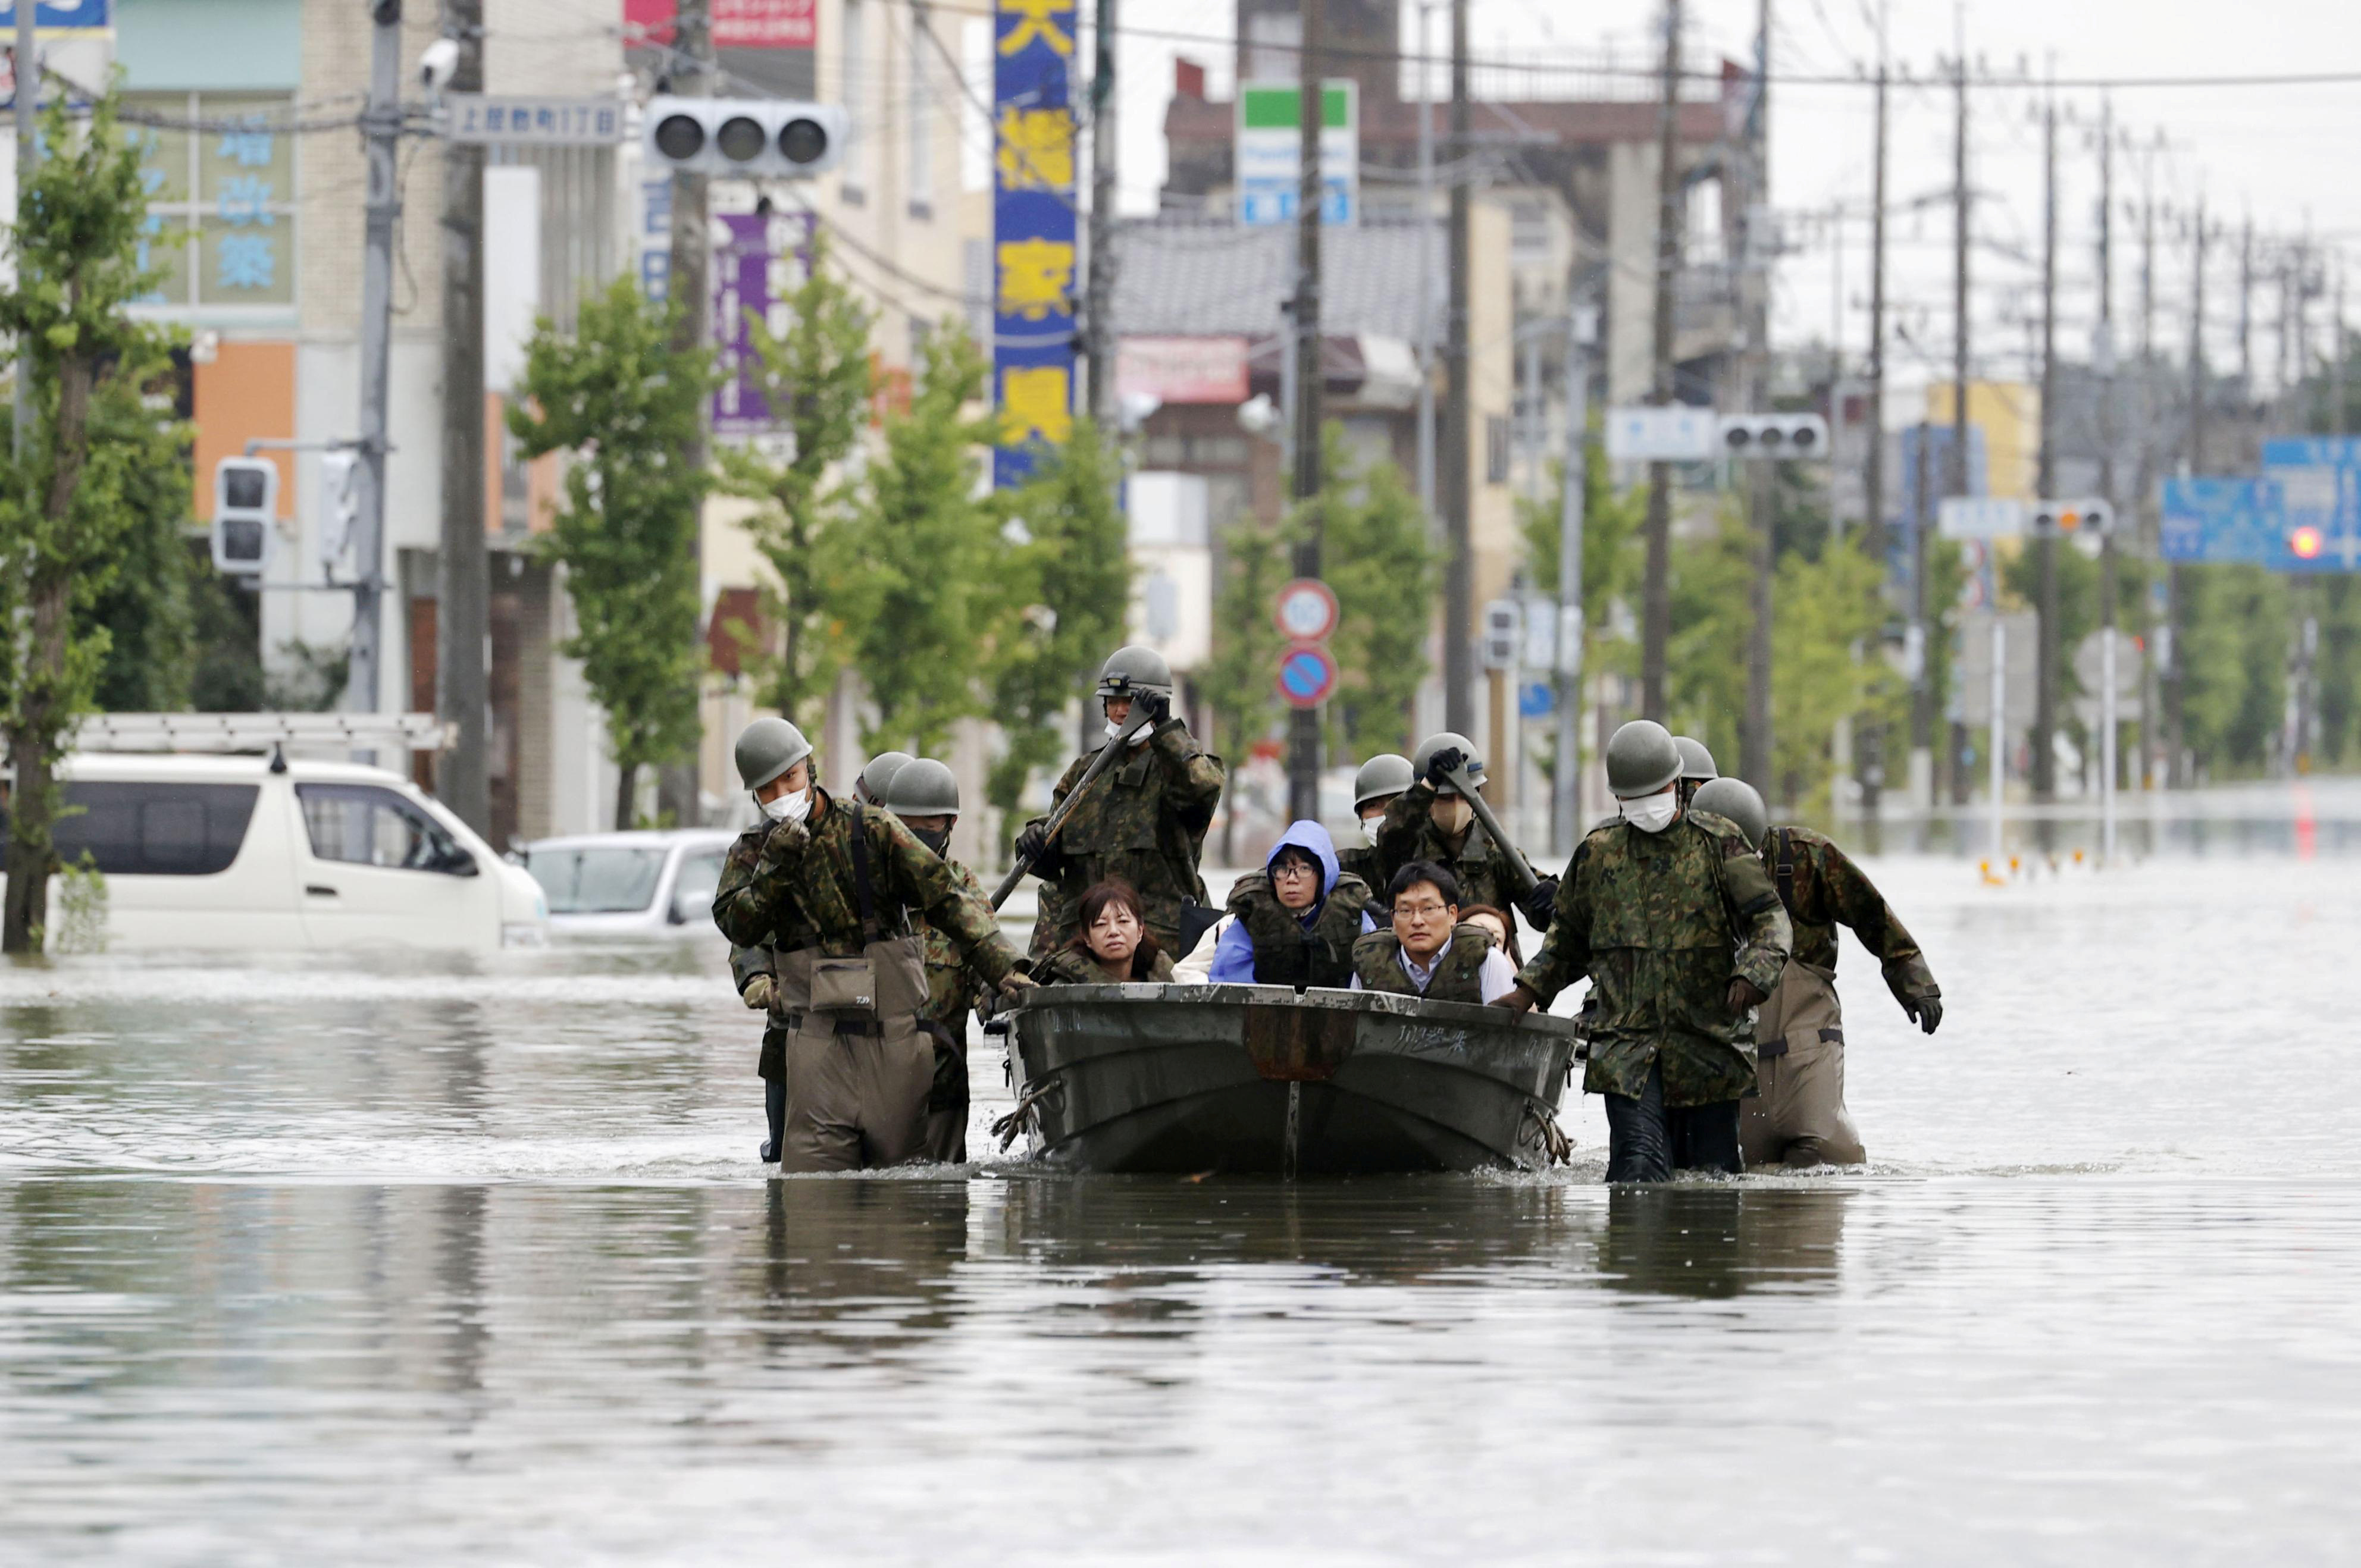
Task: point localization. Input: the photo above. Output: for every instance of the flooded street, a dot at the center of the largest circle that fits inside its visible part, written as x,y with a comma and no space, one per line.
472,1261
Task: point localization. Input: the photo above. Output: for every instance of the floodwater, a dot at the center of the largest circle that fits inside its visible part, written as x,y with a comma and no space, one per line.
471,1262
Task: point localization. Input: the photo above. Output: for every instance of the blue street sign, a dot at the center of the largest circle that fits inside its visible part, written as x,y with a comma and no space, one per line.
2319,482
1536,699
2215,520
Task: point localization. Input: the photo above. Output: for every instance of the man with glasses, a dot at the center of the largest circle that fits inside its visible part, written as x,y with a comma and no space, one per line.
1428,953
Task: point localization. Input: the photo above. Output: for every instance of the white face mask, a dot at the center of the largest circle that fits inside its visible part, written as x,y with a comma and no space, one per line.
1651,813
1114,730
793,807
1369,826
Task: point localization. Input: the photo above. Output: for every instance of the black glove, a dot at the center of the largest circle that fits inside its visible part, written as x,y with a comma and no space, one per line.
1926,1012
1744,994
1540,905
1443,763
1156,705
1033,843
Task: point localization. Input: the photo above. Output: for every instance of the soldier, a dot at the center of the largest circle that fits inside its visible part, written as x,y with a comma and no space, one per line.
1429,951
1429,821
1697,766
1143,820
750,969
1681,936
924,795
869,787
1799,1117
1381,778
827,886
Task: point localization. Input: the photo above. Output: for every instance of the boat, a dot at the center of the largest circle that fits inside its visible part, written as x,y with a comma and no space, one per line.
1256,1079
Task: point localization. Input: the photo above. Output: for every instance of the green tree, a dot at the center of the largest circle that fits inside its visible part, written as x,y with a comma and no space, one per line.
63,505
1376,554
1069,564
1824,667
924,603
815,377
2232,648
150,609
1238,682
627,405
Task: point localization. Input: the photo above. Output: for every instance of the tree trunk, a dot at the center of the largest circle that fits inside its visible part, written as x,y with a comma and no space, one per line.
626,787
34,743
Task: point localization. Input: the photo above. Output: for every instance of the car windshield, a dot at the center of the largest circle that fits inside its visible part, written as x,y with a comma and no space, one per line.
693,889
608,879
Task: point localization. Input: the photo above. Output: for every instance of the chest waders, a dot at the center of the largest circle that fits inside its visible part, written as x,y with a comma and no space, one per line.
1798,1117
859,1063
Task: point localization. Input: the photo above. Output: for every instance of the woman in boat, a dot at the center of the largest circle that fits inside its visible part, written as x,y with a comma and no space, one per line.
1111,945
1294,923
1503,929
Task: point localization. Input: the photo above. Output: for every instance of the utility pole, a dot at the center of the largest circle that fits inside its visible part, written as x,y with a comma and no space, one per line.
1566,778
1762,473
24,73
689,289
2175,690
2045,705
1959,197
1458,571
1656,598
1922,678
1872,748
1425,276
2159,628
2336,417
1098,345
2246,309
462,584
1303,724
380,131
2104,354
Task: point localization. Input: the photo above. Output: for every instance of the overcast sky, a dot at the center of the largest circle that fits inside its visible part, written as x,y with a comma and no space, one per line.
2279,154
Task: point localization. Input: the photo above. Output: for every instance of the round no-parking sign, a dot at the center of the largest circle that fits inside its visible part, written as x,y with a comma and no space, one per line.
1307,674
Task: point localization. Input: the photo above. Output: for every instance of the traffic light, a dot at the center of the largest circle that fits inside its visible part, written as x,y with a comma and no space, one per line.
2095,518
1503,630
772,138
1774,435
340,506
245,512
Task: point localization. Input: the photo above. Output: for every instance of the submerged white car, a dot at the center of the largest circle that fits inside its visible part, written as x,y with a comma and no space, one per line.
639,884
257,853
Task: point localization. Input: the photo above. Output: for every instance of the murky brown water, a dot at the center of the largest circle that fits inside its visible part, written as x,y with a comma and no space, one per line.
443,1262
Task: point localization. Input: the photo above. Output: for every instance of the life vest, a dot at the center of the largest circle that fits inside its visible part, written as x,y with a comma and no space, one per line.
1458,968
1287,952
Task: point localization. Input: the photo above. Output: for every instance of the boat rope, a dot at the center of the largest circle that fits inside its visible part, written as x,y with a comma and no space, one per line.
1548,1140
1027,1115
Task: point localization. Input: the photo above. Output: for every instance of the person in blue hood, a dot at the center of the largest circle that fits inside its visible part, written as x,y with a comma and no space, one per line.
1294,922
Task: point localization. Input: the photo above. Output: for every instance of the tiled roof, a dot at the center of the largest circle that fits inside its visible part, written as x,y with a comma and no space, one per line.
1192,277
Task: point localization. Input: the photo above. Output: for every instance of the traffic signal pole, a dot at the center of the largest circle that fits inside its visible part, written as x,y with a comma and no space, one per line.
688,286
1311,108
380,131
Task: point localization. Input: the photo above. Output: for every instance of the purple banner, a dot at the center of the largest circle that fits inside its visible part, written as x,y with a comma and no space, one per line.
763,262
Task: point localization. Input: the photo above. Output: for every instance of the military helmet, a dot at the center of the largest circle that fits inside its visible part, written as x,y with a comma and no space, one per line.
878,776
1734,800
922,788
1448,742
1133,669
1697,762
767,748
1642,757
1386,773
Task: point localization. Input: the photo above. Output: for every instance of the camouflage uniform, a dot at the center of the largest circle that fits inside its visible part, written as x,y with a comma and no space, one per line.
1661,922
954,985
1066,966
857,1097
747,965
1143,821
1458,971
1798,1116
1409,834
1361,861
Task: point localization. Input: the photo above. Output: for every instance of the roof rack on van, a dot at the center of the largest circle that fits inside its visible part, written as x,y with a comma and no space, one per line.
263,731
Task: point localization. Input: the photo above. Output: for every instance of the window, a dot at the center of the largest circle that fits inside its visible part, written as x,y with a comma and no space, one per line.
605,879
694,886
1496,449
221,202
917,117
363,826
156,830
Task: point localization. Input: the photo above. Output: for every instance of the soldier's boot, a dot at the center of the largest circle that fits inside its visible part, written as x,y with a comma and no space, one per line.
1639,1140
774,1111
855,1101
947,1102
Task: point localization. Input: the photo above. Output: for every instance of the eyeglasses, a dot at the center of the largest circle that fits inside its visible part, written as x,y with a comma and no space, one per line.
1422,910
1291,870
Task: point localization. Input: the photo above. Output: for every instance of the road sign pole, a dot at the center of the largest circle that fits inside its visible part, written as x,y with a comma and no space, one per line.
2107,740
1999,729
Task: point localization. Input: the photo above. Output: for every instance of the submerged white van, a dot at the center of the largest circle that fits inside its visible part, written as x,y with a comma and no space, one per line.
265,852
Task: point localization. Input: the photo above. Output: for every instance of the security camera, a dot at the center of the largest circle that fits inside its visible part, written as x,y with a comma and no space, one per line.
438,64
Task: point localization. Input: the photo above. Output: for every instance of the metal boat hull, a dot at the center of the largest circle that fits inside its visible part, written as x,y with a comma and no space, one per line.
1261,1079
